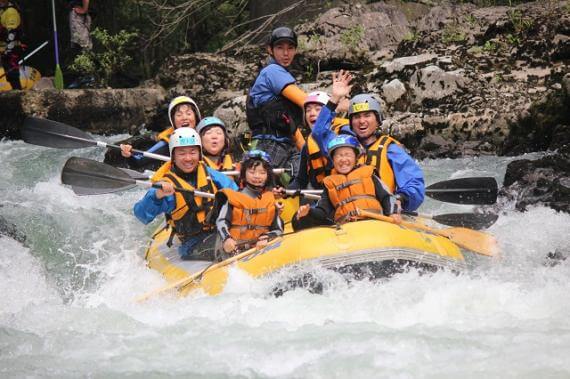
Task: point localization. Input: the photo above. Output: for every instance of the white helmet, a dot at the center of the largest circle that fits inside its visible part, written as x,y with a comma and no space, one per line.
184,137
183,100
318,97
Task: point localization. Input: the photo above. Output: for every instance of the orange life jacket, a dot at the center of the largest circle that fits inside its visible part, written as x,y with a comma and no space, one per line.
317,162
347,193
227,164
190,213
250,217
159,174
165,135
377,157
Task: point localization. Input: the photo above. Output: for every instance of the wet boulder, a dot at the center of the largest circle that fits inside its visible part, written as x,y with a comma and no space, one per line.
9,229
544,181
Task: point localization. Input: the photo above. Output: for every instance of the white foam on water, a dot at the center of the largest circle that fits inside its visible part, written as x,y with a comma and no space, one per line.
68,306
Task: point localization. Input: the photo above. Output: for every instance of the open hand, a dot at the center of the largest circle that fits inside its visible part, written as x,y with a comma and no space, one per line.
341,85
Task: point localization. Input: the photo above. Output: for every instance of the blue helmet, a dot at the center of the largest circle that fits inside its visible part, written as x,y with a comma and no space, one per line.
345,140
210,121
257,154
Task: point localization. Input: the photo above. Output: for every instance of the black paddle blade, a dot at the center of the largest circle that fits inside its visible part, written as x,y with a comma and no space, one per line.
89,177
136,175
476,191
475,221
44,132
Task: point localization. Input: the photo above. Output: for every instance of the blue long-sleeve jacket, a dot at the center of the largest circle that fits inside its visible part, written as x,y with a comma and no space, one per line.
409,176
150,206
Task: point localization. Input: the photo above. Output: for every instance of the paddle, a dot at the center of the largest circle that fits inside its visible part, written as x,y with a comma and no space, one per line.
44,132
58,79
476,191
186,281
89,177
25,59
469,220
475,221
477,242
48,133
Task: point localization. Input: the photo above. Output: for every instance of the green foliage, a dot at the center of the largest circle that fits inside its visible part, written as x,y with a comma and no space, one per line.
513,39
310,72
491,47
452,33
520,23
411,36
471,20
314,39
352,37
110,55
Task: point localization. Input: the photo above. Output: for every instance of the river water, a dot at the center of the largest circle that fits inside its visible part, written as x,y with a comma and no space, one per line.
67,309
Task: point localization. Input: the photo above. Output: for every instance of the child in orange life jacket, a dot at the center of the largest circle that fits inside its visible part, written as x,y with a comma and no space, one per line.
215,144
249,217
182,111
351,187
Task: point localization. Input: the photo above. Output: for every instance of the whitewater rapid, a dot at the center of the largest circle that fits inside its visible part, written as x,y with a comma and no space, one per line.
67,309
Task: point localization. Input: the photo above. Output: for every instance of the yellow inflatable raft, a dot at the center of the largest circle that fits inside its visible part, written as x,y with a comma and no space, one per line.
369,247
28,77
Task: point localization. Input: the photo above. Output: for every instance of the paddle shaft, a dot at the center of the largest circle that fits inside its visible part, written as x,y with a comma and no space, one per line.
55,39
474,241
177,189
186,281
25,58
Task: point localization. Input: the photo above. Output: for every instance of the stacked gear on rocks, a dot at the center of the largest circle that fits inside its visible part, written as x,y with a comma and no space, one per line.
10,42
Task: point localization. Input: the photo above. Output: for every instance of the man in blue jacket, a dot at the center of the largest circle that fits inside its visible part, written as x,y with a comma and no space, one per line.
275,103
397,169
185,211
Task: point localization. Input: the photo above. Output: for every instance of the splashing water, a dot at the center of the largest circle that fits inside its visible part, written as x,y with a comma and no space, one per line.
67,306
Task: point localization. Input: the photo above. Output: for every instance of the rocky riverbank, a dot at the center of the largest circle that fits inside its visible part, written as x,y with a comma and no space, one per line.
455,80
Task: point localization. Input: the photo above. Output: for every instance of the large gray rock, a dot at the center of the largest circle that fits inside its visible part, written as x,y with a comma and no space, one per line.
357,35
209,78
101,111
432,83
232,112
399,64
393,91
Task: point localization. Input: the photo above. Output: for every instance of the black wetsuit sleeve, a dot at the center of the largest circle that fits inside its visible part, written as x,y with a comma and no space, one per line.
387,200
276,228
301,181
323,210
